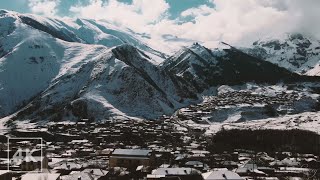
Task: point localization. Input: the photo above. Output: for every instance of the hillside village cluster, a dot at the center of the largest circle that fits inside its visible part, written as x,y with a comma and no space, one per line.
198,112
163,149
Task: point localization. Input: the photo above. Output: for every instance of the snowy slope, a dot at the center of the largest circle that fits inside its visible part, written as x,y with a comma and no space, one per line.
107,87
227,65
314,71
295,52
189,62
49,75
87,31
30,59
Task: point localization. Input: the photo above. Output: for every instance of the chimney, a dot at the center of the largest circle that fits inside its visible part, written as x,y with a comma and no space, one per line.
79,178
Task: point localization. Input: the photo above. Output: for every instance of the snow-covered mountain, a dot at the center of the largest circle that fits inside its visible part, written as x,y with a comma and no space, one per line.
48,71
109,85
191,63
228,65
53,69
295,52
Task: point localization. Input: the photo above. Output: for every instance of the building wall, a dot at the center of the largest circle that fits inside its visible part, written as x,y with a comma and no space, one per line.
129,163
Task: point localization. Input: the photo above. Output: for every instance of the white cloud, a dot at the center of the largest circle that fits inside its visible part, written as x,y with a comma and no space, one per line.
235,21
241,22
136,15
44,7
201,10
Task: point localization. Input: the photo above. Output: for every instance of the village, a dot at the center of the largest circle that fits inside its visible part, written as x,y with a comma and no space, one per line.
162,149
263,104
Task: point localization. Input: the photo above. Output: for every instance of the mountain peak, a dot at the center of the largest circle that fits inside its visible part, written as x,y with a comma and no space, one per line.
196,45
289,38
294,51
3,11
127,47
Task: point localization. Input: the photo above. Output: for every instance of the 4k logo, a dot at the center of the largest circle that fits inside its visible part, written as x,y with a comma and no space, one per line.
22,155
25,154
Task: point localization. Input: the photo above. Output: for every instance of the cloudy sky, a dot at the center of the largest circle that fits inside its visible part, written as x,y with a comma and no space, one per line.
207,21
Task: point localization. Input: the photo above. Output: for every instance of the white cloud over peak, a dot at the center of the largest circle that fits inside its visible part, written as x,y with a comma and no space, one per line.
242,22
135,16
234,21
44,7
239,22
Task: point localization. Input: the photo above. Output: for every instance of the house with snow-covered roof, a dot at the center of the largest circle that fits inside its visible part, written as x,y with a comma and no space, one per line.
175,173
221,175
131,158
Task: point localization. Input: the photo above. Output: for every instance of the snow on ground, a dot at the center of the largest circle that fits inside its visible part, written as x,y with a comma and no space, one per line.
315,71
26,124
228,116
305,121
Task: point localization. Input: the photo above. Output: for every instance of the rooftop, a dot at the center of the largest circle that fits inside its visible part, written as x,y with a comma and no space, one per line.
174,171
81,175
47,176
131,152
221,174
